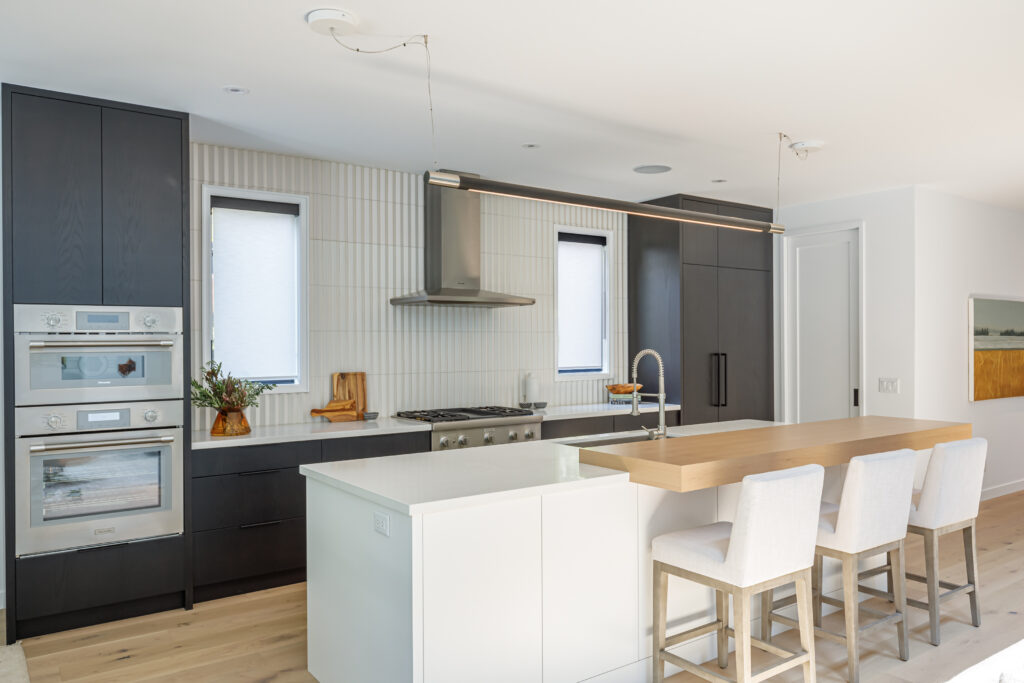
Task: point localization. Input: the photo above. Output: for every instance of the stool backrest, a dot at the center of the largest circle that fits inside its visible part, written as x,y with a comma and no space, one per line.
952,484
876,500
776,523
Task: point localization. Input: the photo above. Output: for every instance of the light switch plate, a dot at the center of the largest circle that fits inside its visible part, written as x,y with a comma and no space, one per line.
382,523
888,385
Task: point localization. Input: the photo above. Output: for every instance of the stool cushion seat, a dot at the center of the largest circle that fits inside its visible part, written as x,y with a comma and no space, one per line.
701,550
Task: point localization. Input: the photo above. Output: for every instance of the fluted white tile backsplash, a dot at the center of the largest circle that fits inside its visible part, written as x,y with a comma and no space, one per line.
366,245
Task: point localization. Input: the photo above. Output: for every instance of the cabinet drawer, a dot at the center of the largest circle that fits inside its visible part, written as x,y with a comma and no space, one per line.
560,429
375,446
247,498
94,577
240,552
209,462
627,423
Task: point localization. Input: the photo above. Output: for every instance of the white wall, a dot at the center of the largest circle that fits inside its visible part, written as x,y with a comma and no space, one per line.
887,225
964,248
366,245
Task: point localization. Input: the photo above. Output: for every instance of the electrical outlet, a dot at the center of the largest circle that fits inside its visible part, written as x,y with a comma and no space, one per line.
382,523
888,385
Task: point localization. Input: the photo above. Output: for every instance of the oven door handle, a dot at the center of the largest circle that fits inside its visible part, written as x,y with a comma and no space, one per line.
70,344
43,448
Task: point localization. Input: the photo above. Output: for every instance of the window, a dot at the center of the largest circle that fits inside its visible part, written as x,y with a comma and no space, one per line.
582,300
254,282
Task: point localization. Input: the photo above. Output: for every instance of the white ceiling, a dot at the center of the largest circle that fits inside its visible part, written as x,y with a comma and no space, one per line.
915,91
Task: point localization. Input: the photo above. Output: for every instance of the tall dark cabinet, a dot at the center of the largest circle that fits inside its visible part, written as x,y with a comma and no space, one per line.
702,296
95,212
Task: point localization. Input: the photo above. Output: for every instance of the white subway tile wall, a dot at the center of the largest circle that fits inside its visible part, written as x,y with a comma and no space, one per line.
366,245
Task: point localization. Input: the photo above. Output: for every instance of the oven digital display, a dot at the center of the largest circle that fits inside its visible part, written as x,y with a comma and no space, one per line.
102,321
103,417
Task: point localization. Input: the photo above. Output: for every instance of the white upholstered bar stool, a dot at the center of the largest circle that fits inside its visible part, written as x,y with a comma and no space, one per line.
949,502
868,521
770,543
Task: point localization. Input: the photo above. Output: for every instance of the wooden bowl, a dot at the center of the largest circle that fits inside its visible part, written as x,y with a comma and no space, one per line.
622,388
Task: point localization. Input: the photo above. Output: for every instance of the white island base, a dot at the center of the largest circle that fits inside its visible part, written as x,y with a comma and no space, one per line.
504,563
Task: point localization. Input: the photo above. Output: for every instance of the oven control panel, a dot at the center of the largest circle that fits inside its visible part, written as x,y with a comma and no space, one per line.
467,437
95,417
96,319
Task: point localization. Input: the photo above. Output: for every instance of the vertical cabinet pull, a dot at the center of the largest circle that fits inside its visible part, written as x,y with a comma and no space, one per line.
716,370
723,380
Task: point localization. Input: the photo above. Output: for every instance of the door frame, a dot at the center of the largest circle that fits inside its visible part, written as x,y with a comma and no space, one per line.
786,407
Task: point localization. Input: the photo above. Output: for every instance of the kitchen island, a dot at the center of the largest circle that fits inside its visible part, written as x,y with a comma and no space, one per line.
508,563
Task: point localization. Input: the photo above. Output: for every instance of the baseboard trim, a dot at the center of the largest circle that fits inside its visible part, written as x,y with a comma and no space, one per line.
1002,489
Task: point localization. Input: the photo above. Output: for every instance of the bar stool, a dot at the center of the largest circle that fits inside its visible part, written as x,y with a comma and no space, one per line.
868,521
949,502
770,544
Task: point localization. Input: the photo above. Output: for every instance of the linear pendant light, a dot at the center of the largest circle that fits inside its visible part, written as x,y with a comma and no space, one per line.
494,187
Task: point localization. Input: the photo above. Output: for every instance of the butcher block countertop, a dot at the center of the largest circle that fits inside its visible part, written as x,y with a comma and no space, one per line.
709,460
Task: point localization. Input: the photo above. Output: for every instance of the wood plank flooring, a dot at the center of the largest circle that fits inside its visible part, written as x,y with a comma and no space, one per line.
262,636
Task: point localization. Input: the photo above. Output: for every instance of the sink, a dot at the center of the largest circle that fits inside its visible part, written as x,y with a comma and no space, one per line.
612,440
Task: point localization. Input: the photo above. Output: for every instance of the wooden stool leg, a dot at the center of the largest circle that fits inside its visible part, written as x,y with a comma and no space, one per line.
971,556
899,596
741,629
931,562
888,582
806,620
722,612
767,598
660,608
816,579
851,610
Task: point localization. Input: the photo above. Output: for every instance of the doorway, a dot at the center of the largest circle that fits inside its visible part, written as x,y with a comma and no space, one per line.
822,318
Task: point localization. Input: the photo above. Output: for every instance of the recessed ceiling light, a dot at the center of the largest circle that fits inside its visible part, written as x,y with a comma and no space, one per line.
652,168
719,180
530,145
235,90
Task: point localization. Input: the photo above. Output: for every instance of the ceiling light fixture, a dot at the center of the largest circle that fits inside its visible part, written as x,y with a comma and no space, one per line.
332,22
806,146
471,183
648,169
235,90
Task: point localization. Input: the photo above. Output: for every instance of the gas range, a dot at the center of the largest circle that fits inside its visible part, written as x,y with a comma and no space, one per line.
483,426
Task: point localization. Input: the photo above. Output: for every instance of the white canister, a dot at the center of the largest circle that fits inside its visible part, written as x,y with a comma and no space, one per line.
531,388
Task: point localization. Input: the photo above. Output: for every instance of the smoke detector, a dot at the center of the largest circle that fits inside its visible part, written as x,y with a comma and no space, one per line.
336,21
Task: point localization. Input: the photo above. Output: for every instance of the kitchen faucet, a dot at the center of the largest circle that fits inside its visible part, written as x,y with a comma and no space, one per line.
660,431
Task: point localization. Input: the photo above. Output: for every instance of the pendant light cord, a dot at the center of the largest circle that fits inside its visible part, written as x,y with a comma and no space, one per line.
418,39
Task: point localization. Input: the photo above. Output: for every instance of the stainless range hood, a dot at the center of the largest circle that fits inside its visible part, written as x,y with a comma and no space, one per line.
451,253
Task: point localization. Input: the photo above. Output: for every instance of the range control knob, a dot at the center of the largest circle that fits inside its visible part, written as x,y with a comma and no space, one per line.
52,319
151,415
488,437
463,440
512,436
150,320
443,442
528,434
54,422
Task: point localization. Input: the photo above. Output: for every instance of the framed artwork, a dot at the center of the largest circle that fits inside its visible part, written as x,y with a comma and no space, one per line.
997,347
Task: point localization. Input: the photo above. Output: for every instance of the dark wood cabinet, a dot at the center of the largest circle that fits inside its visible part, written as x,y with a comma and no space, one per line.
142,209
206,463
561,429
376,446
708,310
628,423
56,207
226,556
233,500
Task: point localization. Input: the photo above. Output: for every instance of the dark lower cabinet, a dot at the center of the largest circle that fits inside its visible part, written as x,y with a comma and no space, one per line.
561,429
376,446
79,587
260,549
629,423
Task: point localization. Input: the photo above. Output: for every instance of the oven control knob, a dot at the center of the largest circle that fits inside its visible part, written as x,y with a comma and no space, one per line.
512,436
150,415
488,437
528,434
54,422
52,319
463,440
150,320
443,442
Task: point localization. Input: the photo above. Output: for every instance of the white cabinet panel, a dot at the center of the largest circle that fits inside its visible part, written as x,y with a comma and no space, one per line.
482,593
590,579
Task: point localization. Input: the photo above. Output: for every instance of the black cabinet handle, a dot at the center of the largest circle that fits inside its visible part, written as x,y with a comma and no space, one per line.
723,379
249,474
716,390
252,526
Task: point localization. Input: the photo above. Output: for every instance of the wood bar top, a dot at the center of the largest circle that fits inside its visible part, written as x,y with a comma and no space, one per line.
703,461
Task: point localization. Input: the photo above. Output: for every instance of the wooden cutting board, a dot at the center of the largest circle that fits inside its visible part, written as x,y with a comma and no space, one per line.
348,402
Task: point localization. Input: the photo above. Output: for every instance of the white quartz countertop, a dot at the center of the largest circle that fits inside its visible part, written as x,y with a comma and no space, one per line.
441,480
311,431
597,410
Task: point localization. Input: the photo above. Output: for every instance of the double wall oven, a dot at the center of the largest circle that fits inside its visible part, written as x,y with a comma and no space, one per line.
99,415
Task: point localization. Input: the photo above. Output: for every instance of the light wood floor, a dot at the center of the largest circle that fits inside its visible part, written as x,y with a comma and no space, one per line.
262,636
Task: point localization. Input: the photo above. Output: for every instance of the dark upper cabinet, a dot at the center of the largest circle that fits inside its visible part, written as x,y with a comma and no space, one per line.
142,209
741,249
56,210
745,339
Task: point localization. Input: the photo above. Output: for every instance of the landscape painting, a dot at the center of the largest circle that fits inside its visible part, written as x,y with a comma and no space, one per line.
997,348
